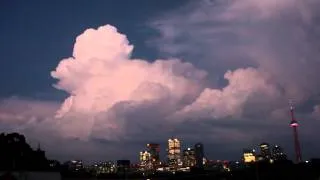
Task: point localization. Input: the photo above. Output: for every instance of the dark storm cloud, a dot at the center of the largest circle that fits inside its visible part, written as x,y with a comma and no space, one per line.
277,37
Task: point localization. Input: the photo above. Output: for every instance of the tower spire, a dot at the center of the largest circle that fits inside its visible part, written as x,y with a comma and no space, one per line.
294,125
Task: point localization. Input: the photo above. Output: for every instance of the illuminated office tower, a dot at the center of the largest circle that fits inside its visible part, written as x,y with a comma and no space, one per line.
189,157
198,148
174,154
145,160
265,152
249,155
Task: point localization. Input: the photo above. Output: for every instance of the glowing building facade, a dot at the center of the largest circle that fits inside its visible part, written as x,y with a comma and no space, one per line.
174,153
145,160
249,156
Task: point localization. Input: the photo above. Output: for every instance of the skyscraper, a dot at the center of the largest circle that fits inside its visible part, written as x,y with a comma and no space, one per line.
154,150
265,151
174,153
145,162
189,157
199,155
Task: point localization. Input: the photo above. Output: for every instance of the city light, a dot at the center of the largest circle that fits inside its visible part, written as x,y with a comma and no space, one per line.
249,157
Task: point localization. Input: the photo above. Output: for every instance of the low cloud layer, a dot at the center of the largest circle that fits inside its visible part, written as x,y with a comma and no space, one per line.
238,64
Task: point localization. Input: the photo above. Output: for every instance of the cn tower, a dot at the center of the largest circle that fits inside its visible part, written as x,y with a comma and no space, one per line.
294,125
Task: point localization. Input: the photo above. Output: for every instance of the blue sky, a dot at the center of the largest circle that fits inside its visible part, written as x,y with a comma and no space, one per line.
208,71
35,35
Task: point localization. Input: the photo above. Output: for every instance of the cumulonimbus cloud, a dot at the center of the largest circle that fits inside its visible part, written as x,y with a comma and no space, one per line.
101,75
105,85
112,95
263,50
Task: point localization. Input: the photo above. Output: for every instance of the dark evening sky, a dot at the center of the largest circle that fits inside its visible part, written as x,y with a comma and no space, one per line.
100,79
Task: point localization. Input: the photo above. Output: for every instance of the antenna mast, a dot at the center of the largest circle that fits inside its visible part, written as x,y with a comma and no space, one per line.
294,125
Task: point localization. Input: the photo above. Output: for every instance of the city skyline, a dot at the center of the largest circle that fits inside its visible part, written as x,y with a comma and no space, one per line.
99,80
19,156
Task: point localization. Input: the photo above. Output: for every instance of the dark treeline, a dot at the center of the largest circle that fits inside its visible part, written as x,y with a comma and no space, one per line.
16,154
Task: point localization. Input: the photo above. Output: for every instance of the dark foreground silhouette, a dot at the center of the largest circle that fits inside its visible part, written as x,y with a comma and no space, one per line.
7,176
17,155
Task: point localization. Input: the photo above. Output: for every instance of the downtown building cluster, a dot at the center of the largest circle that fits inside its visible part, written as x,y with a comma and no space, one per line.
267,153
266,159
188,161
176,158
191,159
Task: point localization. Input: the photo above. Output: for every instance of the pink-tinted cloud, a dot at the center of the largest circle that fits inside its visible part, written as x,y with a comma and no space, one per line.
101,74
110,93
243,85
113,95
256,46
